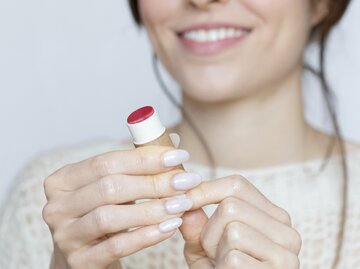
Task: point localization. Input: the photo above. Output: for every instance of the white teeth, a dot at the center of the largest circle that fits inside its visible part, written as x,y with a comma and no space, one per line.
202,35
230,32
222,33
213,35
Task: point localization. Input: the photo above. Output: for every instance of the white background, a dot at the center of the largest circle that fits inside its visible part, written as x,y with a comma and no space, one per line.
71,71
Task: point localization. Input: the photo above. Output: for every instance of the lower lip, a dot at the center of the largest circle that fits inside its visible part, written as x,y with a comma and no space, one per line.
211,47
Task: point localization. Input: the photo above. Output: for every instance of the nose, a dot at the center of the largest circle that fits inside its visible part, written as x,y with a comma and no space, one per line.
204,3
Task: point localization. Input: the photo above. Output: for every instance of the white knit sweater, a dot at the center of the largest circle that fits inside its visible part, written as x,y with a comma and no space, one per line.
311,198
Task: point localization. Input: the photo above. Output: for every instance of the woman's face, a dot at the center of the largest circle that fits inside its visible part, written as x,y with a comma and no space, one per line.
226,49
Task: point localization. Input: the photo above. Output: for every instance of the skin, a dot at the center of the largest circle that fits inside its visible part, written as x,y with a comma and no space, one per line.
222,89
89,213
280,34
90,216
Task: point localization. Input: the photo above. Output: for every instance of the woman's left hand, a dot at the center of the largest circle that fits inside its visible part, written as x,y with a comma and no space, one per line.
245,231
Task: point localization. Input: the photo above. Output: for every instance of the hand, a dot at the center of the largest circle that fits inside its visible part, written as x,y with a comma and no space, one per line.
91,212
245,231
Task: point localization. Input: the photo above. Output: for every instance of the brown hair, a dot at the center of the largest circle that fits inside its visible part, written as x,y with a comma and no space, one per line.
320,33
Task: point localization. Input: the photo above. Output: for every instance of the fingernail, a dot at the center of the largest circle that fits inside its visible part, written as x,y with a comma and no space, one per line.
179,204
175,139
170,225
186,180
175,157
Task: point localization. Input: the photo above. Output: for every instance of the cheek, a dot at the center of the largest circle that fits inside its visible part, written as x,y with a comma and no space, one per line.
157,17
277,10
157,11
281,37
286,24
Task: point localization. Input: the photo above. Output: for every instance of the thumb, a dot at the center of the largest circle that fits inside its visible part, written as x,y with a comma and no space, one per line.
193,223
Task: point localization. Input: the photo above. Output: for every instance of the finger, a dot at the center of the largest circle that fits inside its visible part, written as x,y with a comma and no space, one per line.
139,161
235,259
119,189
118,246
233,209
175,138
115,218
241,237
214,191
193,223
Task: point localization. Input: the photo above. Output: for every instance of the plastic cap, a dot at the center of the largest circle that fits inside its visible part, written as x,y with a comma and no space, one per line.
144,125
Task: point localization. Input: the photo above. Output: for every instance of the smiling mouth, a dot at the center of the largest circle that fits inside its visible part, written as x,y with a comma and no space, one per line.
209,40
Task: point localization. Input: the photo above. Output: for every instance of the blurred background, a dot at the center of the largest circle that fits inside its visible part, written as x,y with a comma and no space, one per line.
71,71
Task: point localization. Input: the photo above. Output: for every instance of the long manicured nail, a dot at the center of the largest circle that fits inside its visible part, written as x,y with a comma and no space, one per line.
175,157
186,180
179,204
170,225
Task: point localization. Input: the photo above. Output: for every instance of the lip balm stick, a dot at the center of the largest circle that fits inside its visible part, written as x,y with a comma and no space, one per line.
146,129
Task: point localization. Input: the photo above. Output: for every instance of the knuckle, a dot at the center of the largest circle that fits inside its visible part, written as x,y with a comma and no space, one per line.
48,186
141,158
162,183
73,261
238,183
229,207
296,241
102,165
234,231
57,236
289,239
233,259
59,240
115,248
107,189
50,212
101,220
201,191
150,212
289,261
52,183
155,187
46,213
284,216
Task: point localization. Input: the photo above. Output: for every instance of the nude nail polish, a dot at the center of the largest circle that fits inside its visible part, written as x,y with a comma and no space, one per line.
186,180
170,225
180,204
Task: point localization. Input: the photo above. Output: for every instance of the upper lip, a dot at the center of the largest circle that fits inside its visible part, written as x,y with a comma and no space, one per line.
212,25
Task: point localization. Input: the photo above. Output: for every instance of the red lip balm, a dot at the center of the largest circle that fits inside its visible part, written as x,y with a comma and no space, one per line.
141,114
144,125
146,129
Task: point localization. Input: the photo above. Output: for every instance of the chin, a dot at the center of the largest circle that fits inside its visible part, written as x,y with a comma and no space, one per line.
212,83
213,88
207,92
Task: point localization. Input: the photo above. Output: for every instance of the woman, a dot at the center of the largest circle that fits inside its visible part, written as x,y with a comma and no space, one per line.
279,197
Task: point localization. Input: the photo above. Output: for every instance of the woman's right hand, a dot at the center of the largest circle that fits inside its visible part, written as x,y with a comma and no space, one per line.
91,211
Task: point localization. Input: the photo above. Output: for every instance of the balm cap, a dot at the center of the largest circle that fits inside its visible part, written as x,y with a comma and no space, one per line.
144,125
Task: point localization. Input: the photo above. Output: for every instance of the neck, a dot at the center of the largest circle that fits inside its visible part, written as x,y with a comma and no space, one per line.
262,130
